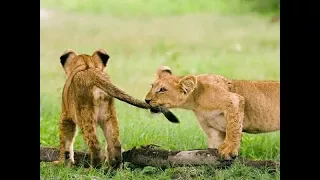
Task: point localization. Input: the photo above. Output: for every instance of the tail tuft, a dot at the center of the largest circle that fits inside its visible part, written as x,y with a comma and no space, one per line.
171,117
168,114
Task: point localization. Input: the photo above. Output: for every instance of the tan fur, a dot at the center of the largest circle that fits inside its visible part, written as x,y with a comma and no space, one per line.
88,101
224,108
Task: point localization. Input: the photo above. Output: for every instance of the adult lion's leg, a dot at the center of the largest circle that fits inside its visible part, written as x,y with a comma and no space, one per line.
234,114
110,129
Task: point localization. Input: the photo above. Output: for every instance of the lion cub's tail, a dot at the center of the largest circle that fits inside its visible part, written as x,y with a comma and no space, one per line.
102,82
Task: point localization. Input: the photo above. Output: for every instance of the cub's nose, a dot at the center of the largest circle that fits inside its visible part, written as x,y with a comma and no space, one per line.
147,101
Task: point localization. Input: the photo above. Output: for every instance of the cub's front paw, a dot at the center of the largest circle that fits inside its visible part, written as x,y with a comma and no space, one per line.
229,150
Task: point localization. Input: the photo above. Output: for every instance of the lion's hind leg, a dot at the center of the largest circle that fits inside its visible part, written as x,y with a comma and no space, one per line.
88,125
67,135
110,127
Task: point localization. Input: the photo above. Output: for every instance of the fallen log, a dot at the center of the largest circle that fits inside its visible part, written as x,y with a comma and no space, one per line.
49,154
152,156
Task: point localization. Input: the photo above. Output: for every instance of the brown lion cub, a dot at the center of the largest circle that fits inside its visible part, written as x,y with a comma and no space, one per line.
224,108
88,101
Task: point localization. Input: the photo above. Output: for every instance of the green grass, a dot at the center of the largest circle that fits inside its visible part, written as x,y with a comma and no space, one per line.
138,45
236,172
165,7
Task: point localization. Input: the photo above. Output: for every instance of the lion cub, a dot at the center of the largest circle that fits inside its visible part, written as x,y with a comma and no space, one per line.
88,101
224,108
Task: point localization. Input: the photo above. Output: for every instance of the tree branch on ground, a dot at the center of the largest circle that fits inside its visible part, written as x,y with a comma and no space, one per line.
151,155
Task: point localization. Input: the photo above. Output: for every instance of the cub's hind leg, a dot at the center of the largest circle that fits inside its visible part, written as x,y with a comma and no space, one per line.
67,135
110,127
88,125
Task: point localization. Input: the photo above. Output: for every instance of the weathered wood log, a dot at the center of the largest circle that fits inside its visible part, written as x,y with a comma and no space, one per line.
49,154
151,156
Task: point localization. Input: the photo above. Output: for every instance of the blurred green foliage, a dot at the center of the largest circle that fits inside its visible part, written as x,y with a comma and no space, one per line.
165,7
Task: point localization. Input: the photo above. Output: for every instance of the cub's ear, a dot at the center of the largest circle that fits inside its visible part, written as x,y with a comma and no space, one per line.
188,84
163,71
102,55
68,54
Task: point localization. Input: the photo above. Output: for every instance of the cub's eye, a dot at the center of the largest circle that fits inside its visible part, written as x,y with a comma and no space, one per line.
151,85
162,89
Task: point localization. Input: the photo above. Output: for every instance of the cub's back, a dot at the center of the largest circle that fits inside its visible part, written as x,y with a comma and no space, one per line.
84,93
262,104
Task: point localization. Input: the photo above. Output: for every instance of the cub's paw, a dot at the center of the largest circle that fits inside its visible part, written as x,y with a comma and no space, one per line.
116,161
97,162
69,163
229,150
